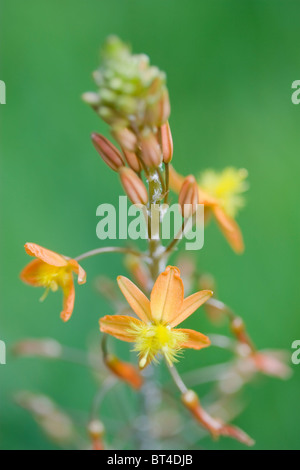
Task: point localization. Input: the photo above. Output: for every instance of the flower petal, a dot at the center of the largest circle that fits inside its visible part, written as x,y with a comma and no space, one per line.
69,299
195,339
49,257
118,326
31,274
136,299
167,295
230,229
190,305
78,270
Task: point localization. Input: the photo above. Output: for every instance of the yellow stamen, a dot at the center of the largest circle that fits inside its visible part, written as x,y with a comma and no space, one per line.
156,338
227,186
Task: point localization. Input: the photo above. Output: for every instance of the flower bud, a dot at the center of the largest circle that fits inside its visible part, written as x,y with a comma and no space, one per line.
151,151
163,108
166,142
132,160
133,186
91,98
188,196
125,371
126,138
96,431
108,152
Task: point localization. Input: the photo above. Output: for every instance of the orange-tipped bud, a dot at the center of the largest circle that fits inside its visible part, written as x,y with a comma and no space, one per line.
164,108
214,426
132,160
133,186
166,142
96,431
48,348
108,152
238,328
125,371
188,196
151,151
126,138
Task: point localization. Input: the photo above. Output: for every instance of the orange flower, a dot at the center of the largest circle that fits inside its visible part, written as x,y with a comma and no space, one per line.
52,271
154,332
227,224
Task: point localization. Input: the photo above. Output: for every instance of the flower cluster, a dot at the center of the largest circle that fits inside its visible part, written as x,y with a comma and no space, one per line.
132,98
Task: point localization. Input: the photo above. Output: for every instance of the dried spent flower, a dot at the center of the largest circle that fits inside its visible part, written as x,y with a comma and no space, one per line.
214,426
124,371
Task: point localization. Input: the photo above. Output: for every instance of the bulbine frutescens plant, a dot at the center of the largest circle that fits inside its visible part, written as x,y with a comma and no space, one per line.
132,98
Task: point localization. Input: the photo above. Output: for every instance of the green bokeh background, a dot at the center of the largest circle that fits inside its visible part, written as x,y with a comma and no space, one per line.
230,66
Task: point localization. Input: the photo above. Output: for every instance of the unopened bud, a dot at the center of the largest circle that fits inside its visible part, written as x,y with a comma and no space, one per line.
91,98
190,399
166,142
108,152
133,186
125,371
96,431
188,196
164,108
126,138
151,151
132,160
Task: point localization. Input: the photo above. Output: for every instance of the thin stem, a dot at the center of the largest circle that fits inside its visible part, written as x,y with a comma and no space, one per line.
105,387
169,248
177,379
109,249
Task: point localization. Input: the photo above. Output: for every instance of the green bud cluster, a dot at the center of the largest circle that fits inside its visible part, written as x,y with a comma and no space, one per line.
131,92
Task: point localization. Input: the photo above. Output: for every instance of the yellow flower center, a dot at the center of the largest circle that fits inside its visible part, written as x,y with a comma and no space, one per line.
53,277
227,186
156,338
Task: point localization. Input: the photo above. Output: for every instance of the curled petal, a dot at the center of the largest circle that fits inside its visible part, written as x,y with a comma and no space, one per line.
195,340
119,326
136,299
69,299
230,229
167,295
190,305
78,270
48,256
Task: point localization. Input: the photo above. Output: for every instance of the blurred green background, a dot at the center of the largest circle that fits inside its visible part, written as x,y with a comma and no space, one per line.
230,65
